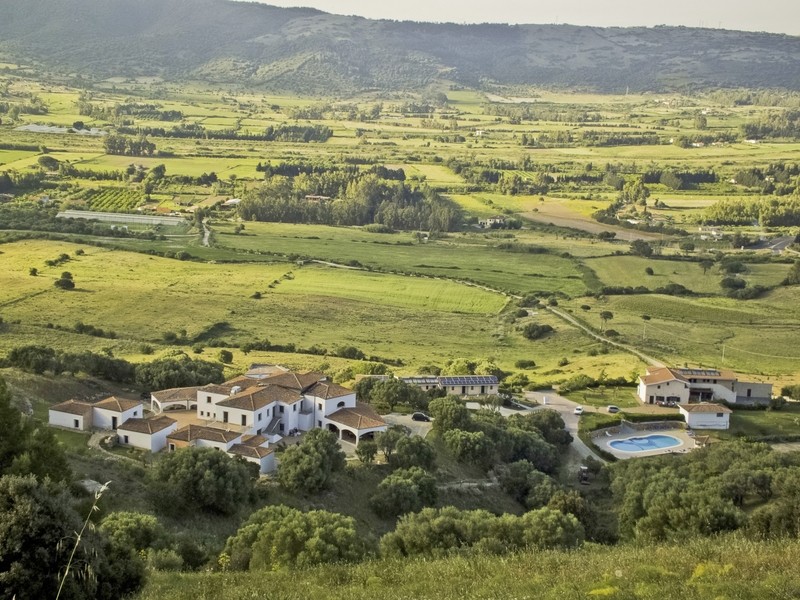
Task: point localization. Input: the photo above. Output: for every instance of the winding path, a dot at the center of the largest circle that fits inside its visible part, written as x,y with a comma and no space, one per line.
573,321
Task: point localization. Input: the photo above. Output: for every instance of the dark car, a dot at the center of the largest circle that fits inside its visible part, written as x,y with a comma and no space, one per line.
418,416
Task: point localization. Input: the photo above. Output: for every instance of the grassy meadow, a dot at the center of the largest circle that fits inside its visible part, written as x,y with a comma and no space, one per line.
698,569
420,301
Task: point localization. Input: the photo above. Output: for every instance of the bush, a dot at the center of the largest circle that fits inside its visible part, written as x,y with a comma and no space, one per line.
535,331
404,491
413,451
525,364
202,478
309,465
278,537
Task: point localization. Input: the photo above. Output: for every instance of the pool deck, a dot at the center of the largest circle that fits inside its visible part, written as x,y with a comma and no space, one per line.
603,438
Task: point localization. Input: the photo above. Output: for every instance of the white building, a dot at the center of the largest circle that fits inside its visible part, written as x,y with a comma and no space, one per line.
84,416
706,416
113,412
71,414
685,386
146,434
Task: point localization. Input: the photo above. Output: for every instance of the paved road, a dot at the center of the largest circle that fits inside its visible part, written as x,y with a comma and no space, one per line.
420,428
566,408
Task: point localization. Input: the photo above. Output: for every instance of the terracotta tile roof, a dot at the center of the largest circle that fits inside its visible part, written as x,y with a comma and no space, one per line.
328,390
254,440
148,426
176,394
242,382
705,407
361,417
662,375
215,388
191,433
72,407
296,381
118,404
250,451
260,371
258,398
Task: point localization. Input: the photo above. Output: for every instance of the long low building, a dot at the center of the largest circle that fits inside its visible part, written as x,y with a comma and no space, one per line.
685,386
706,415
459,385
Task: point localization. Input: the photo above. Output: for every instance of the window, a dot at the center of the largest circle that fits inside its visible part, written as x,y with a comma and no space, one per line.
244,419
136,413
208,399
280,427
76,423
281,409
172,447
319,405
260,415
125,439
225,416
202,414
319,423
720,415
294,407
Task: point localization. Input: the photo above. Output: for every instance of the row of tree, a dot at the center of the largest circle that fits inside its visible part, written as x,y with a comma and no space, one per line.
365,199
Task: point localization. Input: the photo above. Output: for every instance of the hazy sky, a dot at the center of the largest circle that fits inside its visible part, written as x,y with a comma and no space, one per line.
781,16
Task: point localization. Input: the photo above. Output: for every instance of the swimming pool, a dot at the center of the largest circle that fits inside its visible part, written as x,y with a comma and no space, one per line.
645,443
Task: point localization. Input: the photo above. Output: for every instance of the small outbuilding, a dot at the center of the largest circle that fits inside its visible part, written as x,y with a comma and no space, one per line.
113,412
706,415
71,414
147,434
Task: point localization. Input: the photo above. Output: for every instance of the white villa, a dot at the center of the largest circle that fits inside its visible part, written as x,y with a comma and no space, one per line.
244,417
685,386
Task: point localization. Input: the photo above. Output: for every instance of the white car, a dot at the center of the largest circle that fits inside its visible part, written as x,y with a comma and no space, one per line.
578,410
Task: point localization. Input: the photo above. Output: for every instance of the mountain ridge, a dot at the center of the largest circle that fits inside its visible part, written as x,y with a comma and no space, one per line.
307,50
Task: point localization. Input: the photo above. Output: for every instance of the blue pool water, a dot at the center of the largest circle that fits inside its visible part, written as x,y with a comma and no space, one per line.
645,443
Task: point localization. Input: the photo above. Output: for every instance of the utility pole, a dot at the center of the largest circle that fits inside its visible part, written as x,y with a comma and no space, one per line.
723,354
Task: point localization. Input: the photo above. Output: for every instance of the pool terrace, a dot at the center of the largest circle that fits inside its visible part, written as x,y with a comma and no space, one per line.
603,438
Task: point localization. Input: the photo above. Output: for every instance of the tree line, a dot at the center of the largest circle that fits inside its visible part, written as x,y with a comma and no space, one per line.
360,200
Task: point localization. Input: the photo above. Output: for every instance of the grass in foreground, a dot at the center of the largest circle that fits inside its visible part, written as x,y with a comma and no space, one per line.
700,569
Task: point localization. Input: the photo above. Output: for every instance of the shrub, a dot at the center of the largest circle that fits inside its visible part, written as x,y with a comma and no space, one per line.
535,331
405,490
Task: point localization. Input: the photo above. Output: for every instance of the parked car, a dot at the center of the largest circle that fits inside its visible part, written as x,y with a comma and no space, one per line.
578,410
418,416
612,409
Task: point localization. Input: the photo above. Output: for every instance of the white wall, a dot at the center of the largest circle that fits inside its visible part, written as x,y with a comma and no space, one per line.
331,405
265,464
154,443
59,419
218,445
669,388
205,408
103,417
707,420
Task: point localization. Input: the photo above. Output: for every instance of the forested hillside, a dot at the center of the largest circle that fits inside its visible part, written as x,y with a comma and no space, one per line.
305,50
